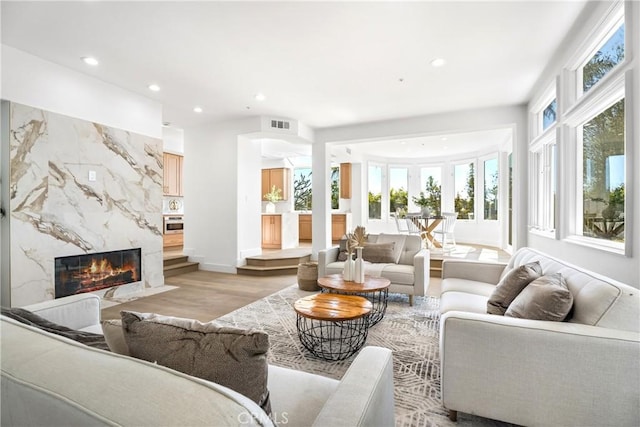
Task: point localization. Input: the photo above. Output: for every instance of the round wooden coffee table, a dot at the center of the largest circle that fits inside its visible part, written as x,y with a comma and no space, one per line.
375,289
332,326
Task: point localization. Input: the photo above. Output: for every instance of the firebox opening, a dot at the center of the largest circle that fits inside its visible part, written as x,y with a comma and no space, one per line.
91,272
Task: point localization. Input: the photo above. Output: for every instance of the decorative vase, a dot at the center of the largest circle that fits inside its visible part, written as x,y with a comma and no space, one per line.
359,267
347,271
270,207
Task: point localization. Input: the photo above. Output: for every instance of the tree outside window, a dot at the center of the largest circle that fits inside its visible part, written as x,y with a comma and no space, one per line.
375,192
464,184
430,181
491,189
603,180
335,187
302,195
398,195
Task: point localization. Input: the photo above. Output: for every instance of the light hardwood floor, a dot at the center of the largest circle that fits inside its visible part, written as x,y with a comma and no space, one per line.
204,295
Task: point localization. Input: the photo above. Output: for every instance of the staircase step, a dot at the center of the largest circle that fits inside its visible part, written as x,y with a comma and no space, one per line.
279,270
175,259
260,261
180,268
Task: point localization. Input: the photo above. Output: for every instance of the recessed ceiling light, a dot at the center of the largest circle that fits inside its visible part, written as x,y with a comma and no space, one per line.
197,109
90,60
154,87
438,62
260,97
166,124
444,138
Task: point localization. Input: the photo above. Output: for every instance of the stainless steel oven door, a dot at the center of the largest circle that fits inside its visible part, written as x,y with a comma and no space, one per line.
173,225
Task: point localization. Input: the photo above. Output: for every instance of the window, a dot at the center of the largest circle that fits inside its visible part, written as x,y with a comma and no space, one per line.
549,114
398,184
464,185
431,188
603,174
375,192
302,189
609,54
335,187
491,189
542,183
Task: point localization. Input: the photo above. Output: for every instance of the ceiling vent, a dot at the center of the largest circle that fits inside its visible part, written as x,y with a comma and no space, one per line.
280,124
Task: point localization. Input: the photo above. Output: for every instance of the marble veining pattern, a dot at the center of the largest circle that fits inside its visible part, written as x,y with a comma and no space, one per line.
57,211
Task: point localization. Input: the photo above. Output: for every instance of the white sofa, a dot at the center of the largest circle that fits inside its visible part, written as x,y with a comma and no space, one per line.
409,276
54,381
581,372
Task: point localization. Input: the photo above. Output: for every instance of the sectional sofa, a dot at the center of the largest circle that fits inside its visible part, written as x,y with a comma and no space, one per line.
584,371
52,380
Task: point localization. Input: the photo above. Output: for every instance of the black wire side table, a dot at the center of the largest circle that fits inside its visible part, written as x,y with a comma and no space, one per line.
331,326
375,289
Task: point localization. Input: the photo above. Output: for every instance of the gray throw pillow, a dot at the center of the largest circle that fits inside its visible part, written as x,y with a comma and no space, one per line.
114,335
231,357
379,252
511,285
546,298
342,254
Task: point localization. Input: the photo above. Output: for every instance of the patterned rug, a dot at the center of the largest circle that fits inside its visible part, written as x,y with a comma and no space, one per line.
410,332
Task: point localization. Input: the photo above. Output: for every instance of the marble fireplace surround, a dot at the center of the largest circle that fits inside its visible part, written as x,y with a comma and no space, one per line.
78,187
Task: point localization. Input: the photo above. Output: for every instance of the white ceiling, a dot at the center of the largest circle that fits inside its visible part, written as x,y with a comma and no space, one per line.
323,63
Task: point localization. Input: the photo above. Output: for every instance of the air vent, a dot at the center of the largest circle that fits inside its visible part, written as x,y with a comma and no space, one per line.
280,124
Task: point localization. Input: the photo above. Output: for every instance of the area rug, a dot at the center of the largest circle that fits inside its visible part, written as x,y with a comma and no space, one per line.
410,332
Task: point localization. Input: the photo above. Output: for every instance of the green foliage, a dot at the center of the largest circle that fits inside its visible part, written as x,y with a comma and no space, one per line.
431,197
335,188
302,194
398,199
465,207
375,206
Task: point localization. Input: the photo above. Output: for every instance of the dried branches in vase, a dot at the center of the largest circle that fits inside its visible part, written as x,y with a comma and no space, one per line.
357,239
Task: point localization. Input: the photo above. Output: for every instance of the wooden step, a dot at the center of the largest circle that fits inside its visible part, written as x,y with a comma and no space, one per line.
260,261
281,270
175,259
174,269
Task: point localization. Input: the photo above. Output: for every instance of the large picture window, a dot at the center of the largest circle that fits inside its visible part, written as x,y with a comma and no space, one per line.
431,188
464,185
491,189
398,185
375,192
302,195
603,174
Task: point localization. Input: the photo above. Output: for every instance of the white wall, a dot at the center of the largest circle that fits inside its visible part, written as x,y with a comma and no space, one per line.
30,80
623,268
172,140
212,189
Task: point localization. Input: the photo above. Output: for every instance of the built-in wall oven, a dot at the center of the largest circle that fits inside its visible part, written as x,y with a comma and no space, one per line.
173,224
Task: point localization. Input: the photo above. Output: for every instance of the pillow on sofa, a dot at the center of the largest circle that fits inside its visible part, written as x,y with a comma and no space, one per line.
342,254
397,239
379,252
232,357
546,298
114,335
29,318
511,285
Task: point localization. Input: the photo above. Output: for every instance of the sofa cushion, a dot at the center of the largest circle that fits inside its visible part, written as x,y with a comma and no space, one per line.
546,298
398,239
511,285
462,301
399,274
28,318
468,286
379,252
114,335
232,357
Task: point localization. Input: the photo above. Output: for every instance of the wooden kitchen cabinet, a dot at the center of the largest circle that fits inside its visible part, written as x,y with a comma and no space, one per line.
279,177
172,180
304,227
271,231
169,240
345,180
338,226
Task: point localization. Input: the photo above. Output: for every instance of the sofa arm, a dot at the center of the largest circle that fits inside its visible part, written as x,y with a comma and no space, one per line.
537,372
421,272
364,396
327,256
75,311
487,272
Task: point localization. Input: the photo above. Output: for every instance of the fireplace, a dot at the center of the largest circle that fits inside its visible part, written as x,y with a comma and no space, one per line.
92,272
